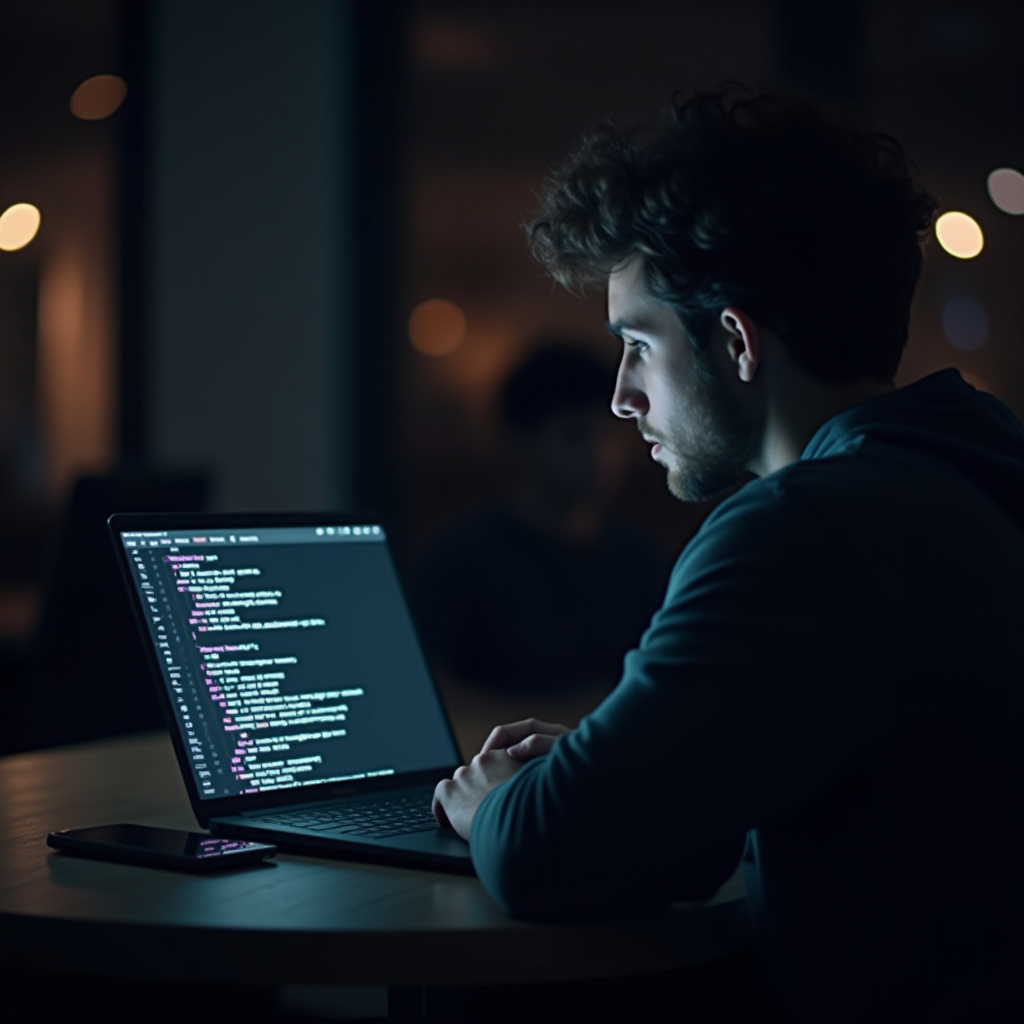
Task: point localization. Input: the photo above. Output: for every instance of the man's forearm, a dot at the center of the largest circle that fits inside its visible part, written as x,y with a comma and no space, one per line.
535,867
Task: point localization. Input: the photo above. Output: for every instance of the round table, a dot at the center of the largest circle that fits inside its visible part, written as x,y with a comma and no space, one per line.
299,920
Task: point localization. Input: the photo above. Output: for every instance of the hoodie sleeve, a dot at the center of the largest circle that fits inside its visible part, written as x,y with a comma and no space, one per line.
747,695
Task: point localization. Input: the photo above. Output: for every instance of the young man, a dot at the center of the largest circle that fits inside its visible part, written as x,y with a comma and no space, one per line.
834,682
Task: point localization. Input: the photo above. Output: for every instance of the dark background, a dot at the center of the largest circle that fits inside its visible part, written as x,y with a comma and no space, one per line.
226,265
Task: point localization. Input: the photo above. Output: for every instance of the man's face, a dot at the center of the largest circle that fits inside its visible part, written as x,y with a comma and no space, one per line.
686,404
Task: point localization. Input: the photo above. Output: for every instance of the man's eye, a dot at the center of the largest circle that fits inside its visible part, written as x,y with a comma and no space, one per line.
638,346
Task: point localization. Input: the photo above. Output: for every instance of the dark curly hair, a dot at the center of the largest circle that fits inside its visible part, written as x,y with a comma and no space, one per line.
810,226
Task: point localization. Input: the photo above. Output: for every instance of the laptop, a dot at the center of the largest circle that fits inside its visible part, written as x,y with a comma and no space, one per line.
293,683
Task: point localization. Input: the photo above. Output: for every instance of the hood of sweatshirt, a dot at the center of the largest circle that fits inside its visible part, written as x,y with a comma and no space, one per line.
945,417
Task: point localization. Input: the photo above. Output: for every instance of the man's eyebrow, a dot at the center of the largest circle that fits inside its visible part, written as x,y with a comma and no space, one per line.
616,327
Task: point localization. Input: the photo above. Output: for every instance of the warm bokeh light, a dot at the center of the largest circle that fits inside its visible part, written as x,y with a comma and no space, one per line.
976,382
960,235
18,226
964,323
449,46
1006,190
98,97
437,327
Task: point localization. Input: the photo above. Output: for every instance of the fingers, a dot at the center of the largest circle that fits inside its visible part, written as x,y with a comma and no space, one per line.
444,792
504,736
437,807
533,746
501,736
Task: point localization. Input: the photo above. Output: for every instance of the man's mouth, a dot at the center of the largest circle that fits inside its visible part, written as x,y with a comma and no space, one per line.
655,446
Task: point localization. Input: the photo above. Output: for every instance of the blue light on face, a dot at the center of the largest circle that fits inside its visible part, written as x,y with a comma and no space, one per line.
964,323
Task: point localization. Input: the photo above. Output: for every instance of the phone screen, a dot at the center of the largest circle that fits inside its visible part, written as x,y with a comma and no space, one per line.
164,840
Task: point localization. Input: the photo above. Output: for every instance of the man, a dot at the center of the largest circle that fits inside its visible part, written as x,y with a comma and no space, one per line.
834,681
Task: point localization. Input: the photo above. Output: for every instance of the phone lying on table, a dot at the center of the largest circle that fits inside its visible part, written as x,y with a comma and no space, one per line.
160,847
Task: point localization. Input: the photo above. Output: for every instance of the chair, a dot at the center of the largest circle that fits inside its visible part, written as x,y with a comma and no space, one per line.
88,677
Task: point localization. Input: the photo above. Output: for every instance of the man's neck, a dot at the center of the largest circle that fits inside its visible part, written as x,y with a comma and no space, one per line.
799,408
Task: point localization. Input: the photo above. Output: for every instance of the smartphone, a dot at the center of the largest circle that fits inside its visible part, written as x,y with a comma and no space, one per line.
160,847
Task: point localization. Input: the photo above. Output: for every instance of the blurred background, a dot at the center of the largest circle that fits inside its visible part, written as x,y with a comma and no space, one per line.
279,245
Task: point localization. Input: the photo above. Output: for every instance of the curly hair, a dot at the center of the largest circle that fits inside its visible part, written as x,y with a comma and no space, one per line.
812,227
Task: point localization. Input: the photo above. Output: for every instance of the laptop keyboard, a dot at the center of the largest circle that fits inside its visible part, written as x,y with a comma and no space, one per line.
388,816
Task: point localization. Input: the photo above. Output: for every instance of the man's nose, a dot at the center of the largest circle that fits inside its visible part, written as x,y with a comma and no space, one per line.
628,398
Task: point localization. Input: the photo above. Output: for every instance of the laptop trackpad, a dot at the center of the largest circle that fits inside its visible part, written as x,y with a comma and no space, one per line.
443,841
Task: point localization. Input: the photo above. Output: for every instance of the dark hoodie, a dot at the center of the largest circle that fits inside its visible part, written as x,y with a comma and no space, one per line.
836,677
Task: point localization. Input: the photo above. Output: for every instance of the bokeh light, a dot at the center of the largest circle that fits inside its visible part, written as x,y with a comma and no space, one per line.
18,226
964,323
437,327
960,235
98,97
1006,190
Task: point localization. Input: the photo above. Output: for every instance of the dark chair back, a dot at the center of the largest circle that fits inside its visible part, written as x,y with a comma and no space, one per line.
89,677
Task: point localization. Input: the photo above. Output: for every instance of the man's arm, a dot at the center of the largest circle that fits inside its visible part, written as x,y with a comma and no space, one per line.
745,697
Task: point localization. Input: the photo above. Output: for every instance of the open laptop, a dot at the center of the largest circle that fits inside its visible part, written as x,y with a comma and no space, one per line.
294,686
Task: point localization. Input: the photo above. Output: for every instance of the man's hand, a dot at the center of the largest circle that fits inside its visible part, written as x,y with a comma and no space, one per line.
456,799
505,751
524,740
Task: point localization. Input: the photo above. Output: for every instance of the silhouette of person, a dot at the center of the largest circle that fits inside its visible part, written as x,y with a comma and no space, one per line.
546,591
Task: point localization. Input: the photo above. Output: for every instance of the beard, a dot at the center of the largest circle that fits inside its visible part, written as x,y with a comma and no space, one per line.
712,442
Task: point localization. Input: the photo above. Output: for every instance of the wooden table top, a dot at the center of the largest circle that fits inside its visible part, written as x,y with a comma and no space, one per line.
301,920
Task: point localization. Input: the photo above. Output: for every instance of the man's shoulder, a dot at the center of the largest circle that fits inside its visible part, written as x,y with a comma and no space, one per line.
771,501
797,515
811,485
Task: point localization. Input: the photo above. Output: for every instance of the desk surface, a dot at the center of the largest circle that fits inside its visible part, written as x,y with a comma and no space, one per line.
300,920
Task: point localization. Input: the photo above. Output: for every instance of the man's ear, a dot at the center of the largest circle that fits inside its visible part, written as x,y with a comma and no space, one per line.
743,343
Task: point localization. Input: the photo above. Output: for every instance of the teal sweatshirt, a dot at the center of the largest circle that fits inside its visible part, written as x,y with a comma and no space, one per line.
834,684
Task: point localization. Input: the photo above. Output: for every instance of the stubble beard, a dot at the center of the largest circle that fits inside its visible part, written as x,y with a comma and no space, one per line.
712,453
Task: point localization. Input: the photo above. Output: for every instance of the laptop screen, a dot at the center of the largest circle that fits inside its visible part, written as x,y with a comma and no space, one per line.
288,655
